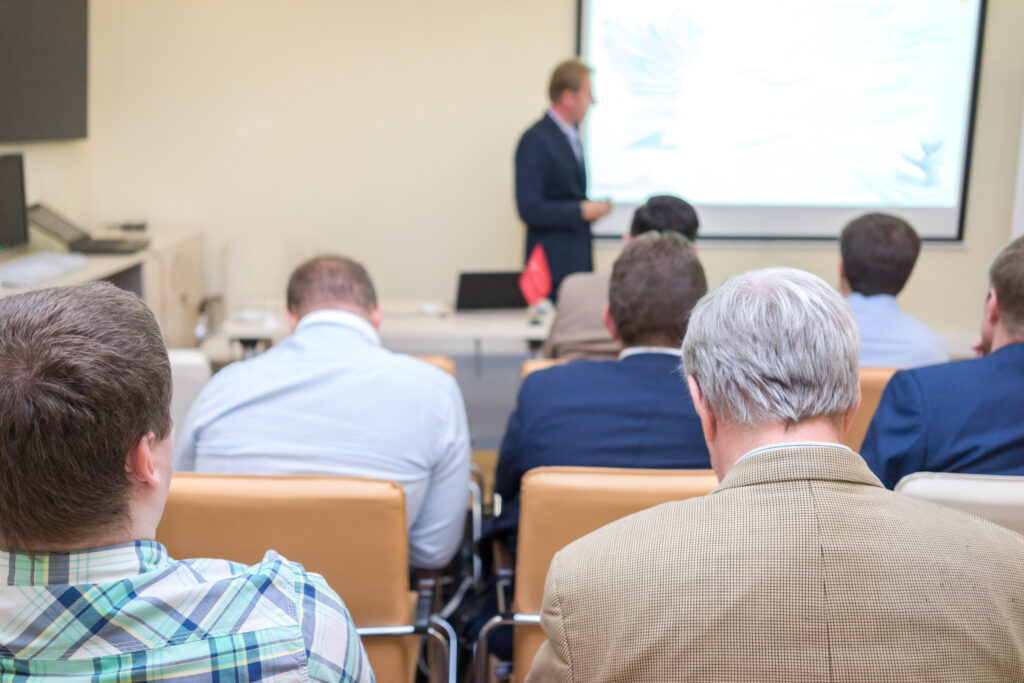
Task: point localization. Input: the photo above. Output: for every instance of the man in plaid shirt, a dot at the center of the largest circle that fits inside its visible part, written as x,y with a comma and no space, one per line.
86,447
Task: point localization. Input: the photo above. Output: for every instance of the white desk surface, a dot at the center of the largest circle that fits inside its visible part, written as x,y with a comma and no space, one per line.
98,266
404,320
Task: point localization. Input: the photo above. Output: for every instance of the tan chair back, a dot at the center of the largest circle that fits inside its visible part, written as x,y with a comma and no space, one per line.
438,361
561,504
352,531
872,384
534,364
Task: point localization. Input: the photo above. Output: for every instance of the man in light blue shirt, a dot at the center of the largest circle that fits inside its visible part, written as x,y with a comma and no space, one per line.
878,252
330,400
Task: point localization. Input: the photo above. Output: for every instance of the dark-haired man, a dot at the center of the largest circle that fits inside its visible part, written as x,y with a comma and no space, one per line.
878,252
579,330
551,177
631,412
331,400
966,416
85,463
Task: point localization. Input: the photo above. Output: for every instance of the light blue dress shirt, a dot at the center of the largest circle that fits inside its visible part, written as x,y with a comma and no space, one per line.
330,400
571,134
890,338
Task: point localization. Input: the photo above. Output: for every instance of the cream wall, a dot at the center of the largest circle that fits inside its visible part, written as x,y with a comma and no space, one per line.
386,130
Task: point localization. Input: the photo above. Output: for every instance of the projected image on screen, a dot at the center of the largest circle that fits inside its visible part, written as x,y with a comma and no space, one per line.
841,105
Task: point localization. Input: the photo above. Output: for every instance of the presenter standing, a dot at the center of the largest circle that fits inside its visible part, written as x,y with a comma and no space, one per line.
551,177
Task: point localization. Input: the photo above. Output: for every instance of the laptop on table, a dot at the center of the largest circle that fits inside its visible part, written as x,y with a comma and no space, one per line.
76,239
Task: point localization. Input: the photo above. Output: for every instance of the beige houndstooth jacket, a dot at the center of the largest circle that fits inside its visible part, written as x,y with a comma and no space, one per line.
799,566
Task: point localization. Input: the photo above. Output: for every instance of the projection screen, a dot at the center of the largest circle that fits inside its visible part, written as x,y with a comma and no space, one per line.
783,119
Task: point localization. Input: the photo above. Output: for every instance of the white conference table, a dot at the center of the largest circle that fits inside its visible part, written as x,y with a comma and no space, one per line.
404,322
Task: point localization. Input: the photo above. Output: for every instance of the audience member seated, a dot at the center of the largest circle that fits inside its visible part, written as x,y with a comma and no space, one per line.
85,461
630,412
800,566
965,416
330,400
579,330
878,252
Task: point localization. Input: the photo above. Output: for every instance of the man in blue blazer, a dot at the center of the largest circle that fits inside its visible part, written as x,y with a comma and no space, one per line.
551,177
632,412
965,416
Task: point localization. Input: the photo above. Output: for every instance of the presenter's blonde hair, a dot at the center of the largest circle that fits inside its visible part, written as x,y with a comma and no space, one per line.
568,75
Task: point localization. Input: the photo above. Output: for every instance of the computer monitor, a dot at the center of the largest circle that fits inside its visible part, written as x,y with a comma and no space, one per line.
489,290
13,216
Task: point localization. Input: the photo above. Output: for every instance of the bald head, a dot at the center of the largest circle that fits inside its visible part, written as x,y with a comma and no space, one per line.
330,281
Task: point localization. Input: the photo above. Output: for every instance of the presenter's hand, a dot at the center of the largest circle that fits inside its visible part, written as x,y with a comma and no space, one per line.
593,210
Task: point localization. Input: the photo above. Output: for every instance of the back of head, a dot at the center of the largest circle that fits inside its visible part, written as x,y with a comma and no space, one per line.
568,75
777,345
330,281
83,377
878,252
1006,277
665,212
655,283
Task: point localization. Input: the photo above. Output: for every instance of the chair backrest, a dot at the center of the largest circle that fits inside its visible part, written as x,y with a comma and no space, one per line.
350,530
560,504
190,370
997,498
534,364
872,384
438,361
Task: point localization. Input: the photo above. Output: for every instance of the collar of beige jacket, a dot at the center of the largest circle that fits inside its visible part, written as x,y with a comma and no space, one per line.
800,463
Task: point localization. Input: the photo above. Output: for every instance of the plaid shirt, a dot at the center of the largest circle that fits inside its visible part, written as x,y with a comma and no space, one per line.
130,613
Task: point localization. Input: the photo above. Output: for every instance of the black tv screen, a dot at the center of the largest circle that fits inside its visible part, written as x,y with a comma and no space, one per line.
13,222
43,58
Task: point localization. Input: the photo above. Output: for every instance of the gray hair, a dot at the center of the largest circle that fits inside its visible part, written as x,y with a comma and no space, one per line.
774,345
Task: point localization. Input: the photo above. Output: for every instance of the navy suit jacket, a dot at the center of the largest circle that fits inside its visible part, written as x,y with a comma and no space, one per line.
964,416
634,412
550,184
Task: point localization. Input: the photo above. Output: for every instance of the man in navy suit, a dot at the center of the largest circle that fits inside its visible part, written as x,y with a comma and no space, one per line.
965,416
632,412
551,177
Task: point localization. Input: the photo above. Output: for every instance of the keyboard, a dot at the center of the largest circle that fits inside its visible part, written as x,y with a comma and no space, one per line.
33,269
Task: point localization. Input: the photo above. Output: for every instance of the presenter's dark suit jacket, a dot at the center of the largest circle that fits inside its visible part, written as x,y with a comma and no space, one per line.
964,416
550,184
634,412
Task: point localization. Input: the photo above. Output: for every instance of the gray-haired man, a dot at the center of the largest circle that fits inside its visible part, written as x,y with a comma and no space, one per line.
799,566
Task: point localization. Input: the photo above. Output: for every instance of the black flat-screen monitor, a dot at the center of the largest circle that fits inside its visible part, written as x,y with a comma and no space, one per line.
43,69
489,290
13,218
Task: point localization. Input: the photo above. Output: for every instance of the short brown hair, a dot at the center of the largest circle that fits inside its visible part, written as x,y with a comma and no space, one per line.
1006,275
568,75
656,282
879,252
327,281
83,377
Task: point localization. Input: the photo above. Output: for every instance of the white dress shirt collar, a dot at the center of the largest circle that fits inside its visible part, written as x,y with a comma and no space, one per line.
332,316
792,444
634,350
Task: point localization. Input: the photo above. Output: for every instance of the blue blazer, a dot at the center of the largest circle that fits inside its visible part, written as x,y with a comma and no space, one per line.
634,412
550,184
964,416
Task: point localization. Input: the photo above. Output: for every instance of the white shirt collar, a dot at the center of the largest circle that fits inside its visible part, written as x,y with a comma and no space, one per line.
634,350
792,444
333,316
